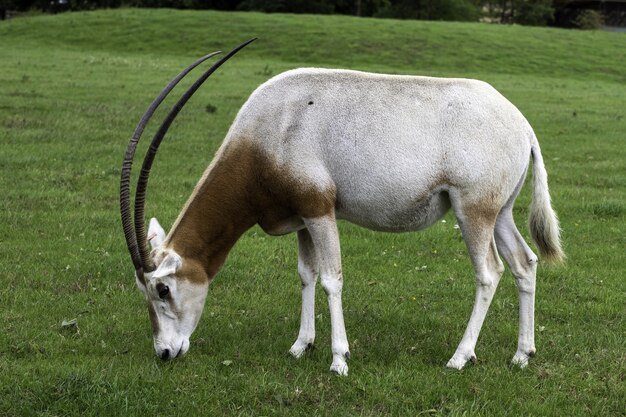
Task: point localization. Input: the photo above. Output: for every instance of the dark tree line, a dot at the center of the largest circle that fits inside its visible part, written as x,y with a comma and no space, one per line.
527,12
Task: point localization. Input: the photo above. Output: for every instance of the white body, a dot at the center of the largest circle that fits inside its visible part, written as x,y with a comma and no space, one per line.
395,153
389,144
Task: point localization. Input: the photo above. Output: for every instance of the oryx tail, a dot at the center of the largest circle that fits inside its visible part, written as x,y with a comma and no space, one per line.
543,222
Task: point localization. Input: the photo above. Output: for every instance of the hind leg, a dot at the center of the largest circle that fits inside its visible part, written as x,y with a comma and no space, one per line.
477,227
307,269
523,264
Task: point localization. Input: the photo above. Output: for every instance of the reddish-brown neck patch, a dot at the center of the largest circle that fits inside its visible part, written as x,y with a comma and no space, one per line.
217,213
241,187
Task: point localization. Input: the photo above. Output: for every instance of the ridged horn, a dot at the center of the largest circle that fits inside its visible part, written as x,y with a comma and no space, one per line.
142,182
127,164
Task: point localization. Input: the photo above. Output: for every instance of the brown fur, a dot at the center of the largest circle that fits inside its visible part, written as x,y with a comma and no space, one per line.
482,215
192,270
154,319
242,187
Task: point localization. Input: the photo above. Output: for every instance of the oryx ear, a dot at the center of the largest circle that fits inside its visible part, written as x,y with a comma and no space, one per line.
168,266
156,234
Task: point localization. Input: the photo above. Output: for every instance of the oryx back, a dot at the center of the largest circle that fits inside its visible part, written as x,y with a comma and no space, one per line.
393,147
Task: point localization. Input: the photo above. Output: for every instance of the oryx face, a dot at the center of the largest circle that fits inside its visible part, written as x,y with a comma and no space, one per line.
175,293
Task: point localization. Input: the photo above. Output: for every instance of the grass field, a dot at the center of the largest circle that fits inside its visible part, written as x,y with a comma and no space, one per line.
72,88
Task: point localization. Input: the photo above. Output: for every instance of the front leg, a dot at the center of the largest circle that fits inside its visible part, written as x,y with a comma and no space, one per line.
325,237
307,269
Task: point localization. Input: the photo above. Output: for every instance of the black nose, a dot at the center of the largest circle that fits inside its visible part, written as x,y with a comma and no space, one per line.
166,354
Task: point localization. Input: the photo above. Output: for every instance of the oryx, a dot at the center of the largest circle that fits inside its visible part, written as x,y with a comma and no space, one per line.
386,152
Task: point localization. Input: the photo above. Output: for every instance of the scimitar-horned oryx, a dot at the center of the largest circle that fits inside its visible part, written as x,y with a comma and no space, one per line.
386,152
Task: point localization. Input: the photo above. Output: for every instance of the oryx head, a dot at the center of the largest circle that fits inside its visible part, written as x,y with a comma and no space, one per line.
174,287
175,293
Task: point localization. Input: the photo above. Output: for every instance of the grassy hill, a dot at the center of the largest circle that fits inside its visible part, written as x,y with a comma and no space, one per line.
402,46
72,88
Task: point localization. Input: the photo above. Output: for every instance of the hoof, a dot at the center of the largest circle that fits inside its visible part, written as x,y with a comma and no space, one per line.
521,358
340,369
339,365
458,361
299,348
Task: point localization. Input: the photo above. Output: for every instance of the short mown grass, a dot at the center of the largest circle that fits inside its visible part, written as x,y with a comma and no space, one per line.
73,86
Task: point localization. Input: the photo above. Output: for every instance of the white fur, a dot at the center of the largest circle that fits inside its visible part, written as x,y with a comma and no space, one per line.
156,234
399,151
384,141
308,268
178,317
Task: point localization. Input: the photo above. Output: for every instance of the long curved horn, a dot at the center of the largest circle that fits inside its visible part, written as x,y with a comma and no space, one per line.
142,182
127,223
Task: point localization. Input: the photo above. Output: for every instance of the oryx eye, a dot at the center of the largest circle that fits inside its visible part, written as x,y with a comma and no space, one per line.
164,290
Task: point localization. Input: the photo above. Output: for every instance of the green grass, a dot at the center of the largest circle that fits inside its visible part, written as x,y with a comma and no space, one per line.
73,86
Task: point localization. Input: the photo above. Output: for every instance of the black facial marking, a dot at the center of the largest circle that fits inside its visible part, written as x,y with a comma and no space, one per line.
310,102
163,290
153,319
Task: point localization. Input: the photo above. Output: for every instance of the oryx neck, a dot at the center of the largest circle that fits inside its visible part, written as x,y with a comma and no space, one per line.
218,211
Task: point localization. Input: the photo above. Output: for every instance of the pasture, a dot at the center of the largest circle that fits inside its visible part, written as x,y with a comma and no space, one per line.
75,337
